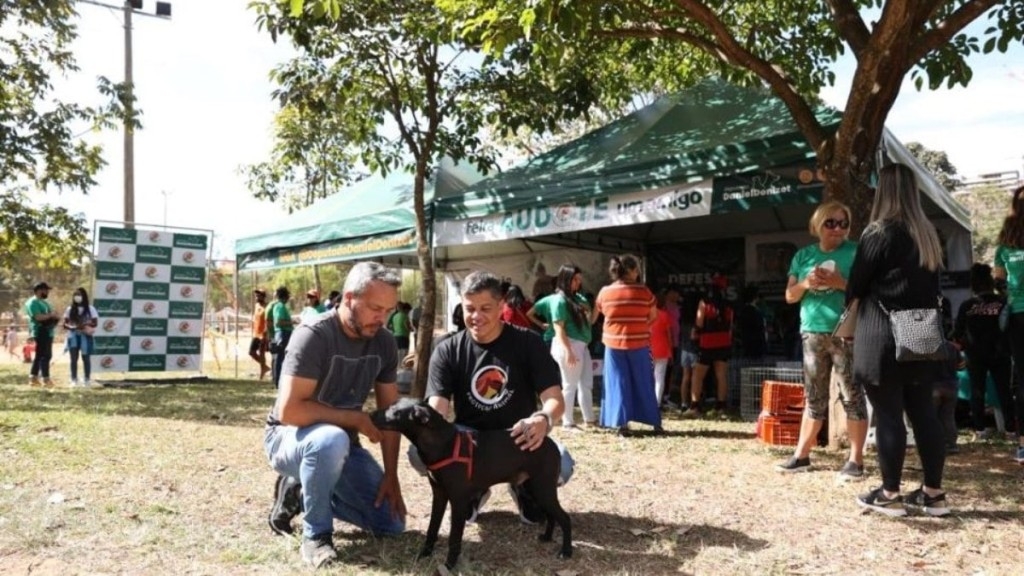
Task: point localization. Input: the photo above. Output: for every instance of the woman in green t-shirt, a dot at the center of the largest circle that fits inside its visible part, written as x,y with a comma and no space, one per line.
1009,271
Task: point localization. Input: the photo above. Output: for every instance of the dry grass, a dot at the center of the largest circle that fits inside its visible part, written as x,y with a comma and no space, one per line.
172,480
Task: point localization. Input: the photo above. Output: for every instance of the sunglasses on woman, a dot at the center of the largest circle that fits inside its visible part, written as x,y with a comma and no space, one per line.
832,224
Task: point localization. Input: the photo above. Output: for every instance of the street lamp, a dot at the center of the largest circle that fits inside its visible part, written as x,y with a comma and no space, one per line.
163,11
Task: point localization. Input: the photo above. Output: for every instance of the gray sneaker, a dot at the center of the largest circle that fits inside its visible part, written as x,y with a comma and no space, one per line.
930,505
876,500
319,551
851,471
794,464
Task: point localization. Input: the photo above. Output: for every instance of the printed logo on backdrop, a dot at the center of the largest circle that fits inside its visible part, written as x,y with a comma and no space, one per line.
180,345
117,308
186,310
149,327
153,255
109,325
151,291
114,271
111,345
186,291
121,235
186,327
183,361
188,275
146,362
195,241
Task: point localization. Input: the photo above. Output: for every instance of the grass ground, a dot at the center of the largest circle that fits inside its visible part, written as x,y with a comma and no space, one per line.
171,479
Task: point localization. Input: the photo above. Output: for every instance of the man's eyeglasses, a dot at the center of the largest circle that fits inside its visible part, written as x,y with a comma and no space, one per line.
832,224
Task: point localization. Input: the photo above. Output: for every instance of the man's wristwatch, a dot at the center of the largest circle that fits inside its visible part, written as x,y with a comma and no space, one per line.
547,418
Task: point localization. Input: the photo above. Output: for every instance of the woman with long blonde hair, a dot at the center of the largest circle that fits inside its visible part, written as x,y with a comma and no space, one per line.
897,268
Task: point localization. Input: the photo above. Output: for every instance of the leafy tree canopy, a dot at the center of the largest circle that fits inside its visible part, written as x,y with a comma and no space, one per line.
988,207
39,148
938,164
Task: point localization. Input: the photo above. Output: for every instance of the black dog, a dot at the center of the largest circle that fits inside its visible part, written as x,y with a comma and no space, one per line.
464,464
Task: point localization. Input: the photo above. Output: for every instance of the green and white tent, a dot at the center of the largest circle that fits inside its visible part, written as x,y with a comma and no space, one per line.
709,162
373,218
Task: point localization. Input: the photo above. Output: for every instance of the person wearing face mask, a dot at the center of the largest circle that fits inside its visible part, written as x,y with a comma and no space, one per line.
80,320
41,322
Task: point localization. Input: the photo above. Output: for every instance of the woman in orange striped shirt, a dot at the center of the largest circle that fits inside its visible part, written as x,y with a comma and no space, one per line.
628,308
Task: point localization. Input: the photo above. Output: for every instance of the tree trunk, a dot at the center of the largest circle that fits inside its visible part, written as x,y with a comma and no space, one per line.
316,280
425,330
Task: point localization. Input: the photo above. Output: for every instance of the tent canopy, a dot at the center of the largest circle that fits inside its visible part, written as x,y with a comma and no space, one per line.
729,160
374,217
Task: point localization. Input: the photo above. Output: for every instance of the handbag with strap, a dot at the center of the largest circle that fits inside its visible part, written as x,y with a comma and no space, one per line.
918,334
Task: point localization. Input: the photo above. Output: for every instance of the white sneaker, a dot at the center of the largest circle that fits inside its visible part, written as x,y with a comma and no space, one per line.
73,383
86,384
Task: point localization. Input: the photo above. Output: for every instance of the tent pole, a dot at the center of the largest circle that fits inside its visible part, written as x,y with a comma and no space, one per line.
238,308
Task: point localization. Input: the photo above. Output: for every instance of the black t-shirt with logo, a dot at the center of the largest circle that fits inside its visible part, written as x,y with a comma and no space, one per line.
496,384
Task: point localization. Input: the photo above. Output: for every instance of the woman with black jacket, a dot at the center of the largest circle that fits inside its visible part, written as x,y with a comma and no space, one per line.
897,266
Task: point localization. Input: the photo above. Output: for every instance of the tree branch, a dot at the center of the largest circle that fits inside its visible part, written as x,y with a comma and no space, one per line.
850,25
942,32
396,106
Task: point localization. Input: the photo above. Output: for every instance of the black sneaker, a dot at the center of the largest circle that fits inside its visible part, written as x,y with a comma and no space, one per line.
851,471
476,504
529,510
794,464
287,505
930,505
318,551
876,500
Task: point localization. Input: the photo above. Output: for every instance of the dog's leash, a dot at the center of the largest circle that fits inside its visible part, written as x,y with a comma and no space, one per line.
456,456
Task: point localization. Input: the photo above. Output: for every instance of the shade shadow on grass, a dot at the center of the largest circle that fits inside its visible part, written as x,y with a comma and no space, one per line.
243,403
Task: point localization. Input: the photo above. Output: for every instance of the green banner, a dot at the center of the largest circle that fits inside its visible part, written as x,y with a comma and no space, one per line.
185,310
327,252
147,363
180,345
122,235
188,275
151,291
794,184
196,241
114,271
110,345
113,308
153,254
149,327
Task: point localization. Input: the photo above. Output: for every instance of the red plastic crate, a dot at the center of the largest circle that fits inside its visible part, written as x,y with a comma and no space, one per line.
782,398
778,430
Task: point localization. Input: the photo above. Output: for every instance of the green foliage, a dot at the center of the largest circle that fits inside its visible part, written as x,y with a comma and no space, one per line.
938,164
988,208
38,146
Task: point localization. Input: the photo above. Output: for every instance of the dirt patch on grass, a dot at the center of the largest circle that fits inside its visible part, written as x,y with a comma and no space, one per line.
172,480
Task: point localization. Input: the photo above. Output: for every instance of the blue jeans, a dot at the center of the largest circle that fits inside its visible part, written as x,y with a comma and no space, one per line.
339,479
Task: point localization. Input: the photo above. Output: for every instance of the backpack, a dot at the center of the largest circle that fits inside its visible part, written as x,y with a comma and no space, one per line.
717,325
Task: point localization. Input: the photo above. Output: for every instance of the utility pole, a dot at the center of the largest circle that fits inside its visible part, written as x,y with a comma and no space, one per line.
130,7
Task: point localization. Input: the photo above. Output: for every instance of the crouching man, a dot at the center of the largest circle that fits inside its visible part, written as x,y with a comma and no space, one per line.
312,435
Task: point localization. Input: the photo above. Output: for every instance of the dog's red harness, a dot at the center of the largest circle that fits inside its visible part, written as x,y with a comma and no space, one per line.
457,456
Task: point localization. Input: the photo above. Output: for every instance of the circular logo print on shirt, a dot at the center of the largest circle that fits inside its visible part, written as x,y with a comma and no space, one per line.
489,384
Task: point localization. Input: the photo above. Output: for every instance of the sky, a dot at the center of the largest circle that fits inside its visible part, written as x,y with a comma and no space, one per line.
202,84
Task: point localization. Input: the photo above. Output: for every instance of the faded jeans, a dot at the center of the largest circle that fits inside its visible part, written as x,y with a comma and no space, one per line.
339,478
576,380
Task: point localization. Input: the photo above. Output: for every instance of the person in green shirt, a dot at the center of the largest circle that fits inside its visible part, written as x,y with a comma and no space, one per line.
41,322
566,319
1008,270
313,307
280,324
400,326
817,281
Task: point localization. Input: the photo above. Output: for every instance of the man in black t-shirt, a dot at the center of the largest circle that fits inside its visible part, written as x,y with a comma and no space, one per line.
492,374
313,430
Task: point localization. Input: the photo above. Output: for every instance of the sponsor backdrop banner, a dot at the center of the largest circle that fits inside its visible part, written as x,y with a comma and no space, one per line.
150,294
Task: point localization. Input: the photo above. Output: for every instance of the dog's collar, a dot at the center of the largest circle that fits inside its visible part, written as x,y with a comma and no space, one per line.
462,437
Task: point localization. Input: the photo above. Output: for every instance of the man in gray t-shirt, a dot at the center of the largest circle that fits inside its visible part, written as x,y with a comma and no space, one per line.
312,434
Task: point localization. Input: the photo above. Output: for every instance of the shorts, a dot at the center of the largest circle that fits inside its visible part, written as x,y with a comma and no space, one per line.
708,356
256,346
687,359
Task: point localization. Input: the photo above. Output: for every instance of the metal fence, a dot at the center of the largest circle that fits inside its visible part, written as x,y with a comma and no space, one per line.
752,380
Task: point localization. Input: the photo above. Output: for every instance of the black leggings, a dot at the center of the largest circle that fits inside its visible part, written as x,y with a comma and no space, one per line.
1016,329
890,400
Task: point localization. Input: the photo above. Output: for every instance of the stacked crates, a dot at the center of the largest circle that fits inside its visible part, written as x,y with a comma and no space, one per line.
782,406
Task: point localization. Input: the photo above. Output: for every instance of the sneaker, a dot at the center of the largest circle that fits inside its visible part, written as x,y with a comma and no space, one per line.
1019,457
670,405
794,464
48,382
73,383
529,511
287,505
876,500
477,504
319,551
930,505
691,412
86,383
34,381
851,471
